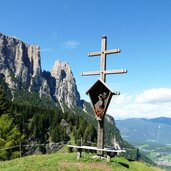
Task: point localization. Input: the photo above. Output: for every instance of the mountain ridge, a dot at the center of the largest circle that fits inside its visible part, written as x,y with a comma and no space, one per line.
142,130
21,65
163,119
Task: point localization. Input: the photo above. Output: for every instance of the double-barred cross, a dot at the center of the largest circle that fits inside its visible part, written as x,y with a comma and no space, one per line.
103,53
103,72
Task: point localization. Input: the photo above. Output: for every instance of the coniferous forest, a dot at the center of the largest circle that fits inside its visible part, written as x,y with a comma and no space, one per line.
30,119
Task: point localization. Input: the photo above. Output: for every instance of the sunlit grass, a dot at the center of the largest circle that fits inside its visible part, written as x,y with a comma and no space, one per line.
68,162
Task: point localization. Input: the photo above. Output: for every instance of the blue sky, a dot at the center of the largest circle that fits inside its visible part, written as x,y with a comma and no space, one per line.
68,30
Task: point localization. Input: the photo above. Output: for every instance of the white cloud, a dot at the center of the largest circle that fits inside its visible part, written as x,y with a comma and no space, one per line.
160,95
149,104
46,50
72,44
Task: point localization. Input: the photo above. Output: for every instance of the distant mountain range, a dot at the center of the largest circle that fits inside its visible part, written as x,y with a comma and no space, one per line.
139,131
162,120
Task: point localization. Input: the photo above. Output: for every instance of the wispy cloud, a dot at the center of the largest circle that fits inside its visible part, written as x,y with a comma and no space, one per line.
71,44
46,50
149,104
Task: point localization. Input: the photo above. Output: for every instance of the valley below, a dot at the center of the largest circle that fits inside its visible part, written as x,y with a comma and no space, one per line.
151,136
160,154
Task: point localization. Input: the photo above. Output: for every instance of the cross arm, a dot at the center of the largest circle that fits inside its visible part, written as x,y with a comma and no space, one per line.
90,54
112,51
118,71
94,53
116,93
90,73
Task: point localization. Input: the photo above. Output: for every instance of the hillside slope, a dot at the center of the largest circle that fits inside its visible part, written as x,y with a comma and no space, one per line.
67,162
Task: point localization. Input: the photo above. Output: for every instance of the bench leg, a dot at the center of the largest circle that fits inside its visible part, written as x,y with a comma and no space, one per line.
108,158
79,154
110,155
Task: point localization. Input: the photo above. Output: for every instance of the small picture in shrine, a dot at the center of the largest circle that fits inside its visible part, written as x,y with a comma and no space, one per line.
99,107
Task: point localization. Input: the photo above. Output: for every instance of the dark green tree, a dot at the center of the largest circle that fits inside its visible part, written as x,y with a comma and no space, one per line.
90,134
9,136
9,132
4,103
55,134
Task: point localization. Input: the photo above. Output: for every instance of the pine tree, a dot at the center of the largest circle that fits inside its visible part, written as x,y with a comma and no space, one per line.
4,104
9,133
9,136
55,134
90,134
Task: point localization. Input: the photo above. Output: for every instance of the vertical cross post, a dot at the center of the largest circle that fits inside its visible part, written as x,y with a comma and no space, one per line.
103,72
103,59
100,134
100,137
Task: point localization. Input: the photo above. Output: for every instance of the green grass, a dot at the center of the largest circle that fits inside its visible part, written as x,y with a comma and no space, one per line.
68,162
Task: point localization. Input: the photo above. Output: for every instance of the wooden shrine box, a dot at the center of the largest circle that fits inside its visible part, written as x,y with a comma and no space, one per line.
100,96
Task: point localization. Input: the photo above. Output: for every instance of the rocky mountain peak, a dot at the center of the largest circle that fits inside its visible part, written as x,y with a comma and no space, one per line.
66,89
21,66
61,70
19,62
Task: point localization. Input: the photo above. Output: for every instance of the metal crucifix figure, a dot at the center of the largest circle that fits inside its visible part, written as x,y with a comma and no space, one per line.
103,72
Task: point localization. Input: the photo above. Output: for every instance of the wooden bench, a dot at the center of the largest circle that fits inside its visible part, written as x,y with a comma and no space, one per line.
110,152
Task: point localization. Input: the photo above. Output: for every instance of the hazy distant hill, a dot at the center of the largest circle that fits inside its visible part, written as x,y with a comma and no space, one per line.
138,131
162,120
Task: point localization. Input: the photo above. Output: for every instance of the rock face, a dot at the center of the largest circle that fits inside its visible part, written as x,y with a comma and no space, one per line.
66,89
20,64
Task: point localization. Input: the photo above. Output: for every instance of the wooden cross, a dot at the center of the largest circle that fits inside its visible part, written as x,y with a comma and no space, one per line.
103,72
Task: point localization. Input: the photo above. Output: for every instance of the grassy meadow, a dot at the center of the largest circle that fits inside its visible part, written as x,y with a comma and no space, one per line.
68,162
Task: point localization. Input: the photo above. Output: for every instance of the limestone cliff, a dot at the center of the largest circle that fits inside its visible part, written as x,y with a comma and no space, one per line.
66,89
20,64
